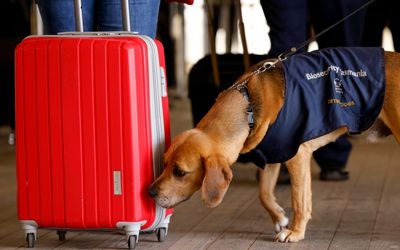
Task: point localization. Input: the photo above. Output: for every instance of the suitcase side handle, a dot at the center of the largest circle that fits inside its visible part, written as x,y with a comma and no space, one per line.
126,23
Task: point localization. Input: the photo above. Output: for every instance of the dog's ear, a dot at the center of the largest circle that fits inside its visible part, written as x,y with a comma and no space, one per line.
218,176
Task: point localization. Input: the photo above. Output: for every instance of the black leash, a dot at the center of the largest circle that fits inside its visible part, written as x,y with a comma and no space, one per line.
293,50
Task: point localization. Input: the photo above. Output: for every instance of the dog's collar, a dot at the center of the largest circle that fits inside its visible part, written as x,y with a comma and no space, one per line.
242,88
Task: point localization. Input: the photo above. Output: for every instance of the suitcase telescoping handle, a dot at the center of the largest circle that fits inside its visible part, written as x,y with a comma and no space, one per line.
126,24
78,16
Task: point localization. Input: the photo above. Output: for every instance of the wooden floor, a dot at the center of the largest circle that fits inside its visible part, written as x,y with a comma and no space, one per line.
362,213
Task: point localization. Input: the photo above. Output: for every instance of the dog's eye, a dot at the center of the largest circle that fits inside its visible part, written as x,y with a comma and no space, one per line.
178,172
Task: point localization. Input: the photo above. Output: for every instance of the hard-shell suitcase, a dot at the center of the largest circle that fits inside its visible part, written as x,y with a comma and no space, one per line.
92,123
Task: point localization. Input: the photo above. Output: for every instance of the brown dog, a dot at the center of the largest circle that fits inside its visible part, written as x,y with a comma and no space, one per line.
201,158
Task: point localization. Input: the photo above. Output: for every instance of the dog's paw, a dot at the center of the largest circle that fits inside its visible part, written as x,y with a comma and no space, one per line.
282,224
287,235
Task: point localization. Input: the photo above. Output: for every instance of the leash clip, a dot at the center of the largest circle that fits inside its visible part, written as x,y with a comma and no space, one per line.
265,66
282,57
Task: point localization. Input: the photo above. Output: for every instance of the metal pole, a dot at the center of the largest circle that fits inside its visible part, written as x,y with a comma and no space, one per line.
78,16
126,22
214,58
246,57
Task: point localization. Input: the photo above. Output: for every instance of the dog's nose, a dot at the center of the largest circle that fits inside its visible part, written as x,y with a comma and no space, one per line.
152,192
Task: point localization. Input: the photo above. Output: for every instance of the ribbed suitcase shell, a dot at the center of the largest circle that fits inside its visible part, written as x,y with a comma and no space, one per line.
87,146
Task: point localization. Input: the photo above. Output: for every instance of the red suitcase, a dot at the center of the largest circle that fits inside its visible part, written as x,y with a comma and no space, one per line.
92,123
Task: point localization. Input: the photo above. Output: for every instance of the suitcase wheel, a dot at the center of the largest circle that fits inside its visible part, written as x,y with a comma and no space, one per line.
61,235
11,138
161,234
30,239
132,241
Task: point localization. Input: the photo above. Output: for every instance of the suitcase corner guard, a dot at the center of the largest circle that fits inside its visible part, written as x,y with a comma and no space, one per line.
131,228
29,226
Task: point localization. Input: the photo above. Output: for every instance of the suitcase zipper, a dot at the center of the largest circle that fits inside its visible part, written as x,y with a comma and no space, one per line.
157,125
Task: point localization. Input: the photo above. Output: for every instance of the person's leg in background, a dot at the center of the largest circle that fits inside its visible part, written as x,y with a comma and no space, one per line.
143,15
58,15
287,20
102,15
325,13
288,27
394,24
15,16
375,20
380,14
333,157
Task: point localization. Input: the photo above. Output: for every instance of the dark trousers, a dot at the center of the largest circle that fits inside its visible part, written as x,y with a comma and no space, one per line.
380,14
289,23
14,15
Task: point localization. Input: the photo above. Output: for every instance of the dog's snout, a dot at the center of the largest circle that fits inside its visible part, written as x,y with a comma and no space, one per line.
152,192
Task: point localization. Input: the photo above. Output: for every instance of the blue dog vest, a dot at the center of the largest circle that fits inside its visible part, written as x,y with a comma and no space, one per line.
325,90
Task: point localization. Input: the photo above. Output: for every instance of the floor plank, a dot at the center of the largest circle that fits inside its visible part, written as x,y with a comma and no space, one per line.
386,234
218,220
358,219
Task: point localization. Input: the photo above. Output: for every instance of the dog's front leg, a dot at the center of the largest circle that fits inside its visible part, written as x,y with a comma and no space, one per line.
267,181
300,177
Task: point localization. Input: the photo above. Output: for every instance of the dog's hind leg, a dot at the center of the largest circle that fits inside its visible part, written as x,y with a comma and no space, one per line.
300,178
267,182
